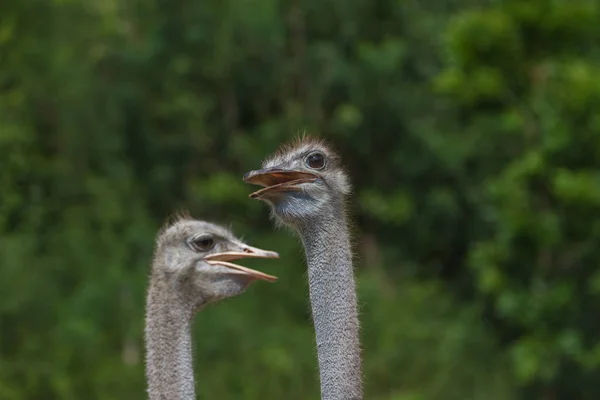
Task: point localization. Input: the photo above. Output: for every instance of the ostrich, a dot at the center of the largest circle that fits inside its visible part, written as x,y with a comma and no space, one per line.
191,268
306,188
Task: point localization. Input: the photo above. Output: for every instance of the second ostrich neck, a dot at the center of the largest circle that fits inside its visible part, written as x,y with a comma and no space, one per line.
334,305
170,370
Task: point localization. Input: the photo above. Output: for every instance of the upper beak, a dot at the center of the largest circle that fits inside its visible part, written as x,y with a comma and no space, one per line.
247,252
277,180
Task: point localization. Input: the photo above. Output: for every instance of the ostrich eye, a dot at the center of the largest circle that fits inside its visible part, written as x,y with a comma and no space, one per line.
315,161
202,243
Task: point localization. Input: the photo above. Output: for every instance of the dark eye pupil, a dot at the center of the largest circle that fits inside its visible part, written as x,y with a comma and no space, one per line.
204,243
315,161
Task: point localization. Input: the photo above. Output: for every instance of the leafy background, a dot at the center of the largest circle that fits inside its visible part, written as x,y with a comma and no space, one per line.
472,133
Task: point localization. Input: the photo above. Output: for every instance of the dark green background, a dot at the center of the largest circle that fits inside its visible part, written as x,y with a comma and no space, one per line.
471,130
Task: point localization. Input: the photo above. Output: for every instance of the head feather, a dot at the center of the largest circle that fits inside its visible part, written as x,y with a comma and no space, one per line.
302,143
172,220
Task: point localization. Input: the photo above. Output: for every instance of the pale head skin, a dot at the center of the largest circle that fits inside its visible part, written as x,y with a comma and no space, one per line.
193,257
306,188
297,186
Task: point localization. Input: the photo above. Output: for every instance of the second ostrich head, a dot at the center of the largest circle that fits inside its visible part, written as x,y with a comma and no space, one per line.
301,181
193,259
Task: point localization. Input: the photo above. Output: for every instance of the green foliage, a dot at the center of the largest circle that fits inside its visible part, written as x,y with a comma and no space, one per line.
532,264
471,133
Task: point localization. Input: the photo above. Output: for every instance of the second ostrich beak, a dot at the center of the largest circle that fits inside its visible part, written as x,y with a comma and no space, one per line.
224,259
277,180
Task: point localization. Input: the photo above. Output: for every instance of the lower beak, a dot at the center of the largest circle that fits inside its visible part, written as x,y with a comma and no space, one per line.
224,259
277,180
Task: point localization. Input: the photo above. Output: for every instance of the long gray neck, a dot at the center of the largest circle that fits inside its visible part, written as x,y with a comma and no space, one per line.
169,367
334,306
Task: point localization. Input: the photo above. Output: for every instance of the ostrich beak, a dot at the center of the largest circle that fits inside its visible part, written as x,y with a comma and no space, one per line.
247,252
277,180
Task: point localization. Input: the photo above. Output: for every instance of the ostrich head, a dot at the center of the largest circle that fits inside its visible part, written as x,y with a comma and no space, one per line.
193,258
302,181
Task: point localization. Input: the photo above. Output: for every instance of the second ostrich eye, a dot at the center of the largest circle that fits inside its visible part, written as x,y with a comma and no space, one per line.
315,161
203,243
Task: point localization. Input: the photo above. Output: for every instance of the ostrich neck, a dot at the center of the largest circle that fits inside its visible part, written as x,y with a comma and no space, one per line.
334,306
169,367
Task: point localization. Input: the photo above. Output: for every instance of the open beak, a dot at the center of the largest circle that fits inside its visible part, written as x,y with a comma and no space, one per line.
248,252
277,180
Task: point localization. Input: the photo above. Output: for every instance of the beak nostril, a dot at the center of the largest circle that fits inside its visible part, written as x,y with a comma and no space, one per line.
247,250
